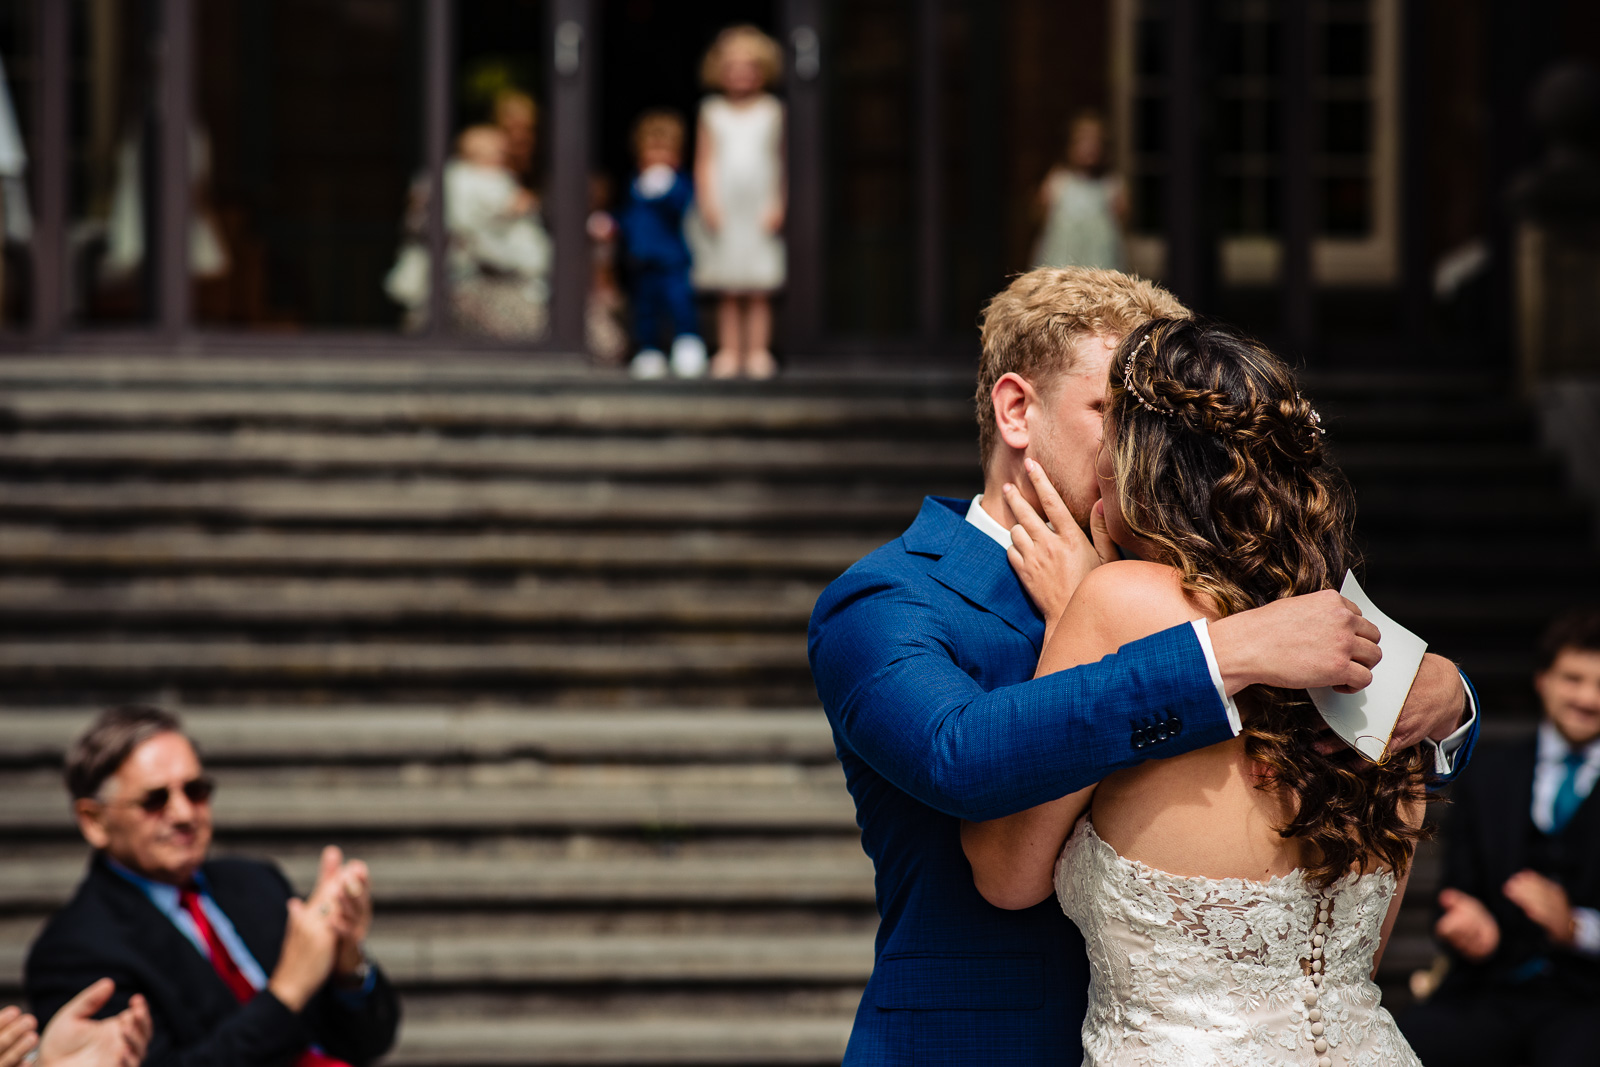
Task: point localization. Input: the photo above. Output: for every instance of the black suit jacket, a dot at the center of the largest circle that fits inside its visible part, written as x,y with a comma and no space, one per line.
110,929
1487,840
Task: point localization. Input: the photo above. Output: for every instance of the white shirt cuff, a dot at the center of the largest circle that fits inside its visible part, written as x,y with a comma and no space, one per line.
1444,752
1586,931
1228,705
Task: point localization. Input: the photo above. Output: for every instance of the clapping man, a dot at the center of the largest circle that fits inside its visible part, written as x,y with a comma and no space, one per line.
1520,903
235,969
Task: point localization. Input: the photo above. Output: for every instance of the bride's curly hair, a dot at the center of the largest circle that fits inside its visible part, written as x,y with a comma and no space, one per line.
1220,467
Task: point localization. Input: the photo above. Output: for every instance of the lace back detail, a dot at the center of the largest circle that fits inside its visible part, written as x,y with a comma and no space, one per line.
1189,970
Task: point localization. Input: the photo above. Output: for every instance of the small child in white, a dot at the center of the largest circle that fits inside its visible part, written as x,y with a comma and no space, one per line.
741,198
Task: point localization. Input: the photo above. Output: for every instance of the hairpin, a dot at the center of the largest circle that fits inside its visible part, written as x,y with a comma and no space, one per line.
1127,381
1316,420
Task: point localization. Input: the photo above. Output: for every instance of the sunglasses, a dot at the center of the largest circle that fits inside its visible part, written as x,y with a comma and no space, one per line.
195,790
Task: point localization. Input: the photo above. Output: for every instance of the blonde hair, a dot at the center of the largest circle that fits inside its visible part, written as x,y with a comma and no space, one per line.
659,123
768,54
1030,326
507,99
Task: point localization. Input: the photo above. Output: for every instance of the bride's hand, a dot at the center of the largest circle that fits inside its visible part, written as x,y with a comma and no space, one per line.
1051,562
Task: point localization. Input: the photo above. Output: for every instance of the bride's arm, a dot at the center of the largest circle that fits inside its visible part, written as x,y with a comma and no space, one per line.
1013,859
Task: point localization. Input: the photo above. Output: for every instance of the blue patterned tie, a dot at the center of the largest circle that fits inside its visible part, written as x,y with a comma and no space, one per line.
1567,798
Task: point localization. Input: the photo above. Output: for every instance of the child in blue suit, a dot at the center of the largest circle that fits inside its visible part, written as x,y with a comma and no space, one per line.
657,254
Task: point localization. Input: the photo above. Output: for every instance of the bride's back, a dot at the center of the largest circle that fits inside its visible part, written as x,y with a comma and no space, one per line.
1199,814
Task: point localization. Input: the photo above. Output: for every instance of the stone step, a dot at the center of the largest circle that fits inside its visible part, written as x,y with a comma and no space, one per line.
671,456
497,872
523,602
433,500
682,1039
674,412
187,549
730,656
486,951
488,797
375,733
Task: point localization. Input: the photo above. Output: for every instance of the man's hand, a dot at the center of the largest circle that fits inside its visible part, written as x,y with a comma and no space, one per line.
1297,643
1545,902
75,1038
19,1033
311,939
344,893
1051,563
1466,925
1433,707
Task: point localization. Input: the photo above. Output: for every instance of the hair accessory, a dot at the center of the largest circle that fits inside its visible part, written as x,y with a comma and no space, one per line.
1127,381
1316,420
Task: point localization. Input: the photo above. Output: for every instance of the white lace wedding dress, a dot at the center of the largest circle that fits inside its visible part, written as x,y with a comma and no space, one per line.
1197,971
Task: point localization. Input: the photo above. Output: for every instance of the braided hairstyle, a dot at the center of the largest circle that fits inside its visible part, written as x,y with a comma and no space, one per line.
1220,467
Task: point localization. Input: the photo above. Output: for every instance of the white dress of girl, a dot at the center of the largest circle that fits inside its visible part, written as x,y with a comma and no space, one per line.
1081,227
742,255
1188,970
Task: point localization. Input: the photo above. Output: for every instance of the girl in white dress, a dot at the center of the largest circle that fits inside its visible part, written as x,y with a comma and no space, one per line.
1234,900
740,198
1085,206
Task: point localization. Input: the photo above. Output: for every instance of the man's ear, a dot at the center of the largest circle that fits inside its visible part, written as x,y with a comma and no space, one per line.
1012,396
88,814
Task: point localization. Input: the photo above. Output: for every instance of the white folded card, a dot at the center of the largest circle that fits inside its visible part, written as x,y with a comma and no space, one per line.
1366,719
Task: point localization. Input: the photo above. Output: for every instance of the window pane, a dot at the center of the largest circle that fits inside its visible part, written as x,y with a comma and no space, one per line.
112,162
17,74
307,139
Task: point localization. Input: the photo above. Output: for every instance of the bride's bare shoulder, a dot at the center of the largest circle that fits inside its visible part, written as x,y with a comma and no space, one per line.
1131,598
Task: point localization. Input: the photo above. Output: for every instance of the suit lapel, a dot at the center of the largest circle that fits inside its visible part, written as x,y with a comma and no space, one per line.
155,938
973,566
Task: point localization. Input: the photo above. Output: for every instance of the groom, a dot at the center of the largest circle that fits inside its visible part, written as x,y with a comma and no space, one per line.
923,654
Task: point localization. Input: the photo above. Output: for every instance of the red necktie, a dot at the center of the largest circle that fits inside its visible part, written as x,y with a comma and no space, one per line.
234,978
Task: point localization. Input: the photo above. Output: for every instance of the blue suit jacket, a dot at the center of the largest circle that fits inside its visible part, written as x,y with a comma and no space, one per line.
923,654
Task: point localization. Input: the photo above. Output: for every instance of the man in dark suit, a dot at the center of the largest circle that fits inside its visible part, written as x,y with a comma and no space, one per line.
1520,903
236,970
924,654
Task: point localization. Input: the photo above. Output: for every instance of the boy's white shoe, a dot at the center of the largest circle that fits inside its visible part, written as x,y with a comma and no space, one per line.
649,365
689,356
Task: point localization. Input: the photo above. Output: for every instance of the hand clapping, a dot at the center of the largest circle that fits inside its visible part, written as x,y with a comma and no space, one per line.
325,932
75,1038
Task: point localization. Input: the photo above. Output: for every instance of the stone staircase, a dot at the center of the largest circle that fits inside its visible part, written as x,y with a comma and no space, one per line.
531,643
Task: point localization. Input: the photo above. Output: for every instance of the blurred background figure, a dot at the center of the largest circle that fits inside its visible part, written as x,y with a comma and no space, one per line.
234,967
739,179
658,258
603,314
517,116
500,254
1085,204
1520,903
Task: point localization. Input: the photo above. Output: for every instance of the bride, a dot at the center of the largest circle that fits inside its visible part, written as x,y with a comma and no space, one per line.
1235,900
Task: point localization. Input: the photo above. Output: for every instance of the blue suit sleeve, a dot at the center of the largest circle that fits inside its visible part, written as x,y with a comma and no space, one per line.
884,662
1463,753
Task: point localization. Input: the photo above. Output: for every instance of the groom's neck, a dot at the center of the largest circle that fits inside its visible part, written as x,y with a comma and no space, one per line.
1005,470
